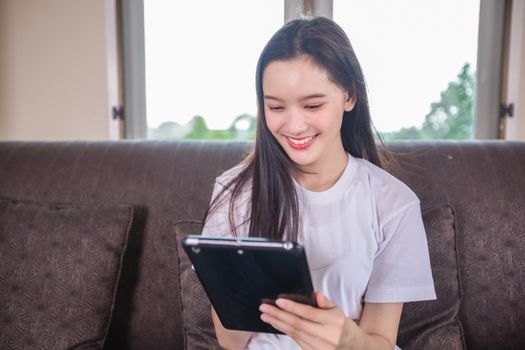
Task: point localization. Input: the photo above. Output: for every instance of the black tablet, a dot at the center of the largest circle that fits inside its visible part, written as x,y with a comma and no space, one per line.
240,274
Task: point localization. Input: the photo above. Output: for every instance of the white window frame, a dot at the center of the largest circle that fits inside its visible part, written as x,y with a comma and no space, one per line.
489,68
512,124
134,61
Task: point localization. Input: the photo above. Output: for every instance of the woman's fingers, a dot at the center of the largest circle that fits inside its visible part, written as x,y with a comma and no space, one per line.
302,327
312,327
322,315
323,302
289,322
306,340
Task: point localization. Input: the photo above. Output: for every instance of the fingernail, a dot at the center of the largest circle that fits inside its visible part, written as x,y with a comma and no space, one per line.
280,302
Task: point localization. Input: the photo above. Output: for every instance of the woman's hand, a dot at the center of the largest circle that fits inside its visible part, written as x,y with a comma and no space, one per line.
327,327
310,327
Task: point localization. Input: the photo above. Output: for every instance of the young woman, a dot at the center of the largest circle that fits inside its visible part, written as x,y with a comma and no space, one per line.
315,176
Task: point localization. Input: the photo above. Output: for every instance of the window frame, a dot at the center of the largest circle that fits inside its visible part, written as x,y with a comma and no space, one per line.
489,69
489,66
134,62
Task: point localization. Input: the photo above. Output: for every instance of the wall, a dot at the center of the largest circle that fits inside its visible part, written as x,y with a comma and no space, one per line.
55,80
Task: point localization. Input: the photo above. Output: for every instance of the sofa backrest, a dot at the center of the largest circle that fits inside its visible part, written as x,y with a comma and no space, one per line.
484,183
166,182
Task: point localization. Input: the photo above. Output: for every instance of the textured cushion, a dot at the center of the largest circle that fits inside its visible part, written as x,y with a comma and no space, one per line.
434,324
59,268
198,327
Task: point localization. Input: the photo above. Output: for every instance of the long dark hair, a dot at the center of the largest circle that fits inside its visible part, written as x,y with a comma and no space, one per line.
274,212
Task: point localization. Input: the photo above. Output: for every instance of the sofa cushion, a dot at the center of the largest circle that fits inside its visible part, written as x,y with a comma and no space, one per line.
59,268
198,327
435,324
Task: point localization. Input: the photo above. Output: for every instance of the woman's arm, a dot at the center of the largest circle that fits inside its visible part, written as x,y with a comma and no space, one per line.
228,339
327,327
376,330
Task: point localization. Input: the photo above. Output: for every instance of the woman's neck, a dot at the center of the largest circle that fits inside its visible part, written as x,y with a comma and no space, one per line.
324,175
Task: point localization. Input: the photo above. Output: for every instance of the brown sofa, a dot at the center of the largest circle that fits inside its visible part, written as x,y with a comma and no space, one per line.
90,254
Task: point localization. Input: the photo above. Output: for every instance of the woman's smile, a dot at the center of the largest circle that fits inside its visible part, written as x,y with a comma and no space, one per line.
300,143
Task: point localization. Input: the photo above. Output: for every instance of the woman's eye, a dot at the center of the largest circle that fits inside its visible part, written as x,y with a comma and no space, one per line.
276,108
313,107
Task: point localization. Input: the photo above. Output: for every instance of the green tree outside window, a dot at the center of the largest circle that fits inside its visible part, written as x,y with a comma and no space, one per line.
452,117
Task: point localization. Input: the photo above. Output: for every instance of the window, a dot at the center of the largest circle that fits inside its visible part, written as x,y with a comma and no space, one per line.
200,65
419,59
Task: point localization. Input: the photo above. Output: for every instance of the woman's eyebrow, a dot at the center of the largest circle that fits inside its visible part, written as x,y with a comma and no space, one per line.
269,97
312,96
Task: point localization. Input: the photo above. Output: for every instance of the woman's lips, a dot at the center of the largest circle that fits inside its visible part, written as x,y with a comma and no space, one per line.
300,143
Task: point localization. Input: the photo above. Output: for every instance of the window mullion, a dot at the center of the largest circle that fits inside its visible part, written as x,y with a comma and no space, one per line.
299,8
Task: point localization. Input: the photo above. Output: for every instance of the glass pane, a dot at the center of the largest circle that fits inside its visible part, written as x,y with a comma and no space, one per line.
200,65
419,60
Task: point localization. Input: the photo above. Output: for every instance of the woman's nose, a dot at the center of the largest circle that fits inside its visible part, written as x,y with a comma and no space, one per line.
297,123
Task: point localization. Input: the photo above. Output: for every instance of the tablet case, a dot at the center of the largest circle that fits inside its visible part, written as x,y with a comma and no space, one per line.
240,274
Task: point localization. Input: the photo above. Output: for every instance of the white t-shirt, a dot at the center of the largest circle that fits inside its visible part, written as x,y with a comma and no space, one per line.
364,240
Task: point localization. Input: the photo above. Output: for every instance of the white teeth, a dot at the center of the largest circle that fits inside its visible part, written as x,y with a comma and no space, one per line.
301,141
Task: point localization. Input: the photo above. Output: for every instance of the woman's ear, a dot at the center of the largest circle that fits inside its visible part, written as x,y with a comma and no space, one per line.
350,100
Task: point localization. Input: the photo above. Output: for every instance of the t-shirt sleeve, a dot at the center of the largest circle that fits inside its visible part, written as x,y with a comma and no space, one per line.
401,271
217,223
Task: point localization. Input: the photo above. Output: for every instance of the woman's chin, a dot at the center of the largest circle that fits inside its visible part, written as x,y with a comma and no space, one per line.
302,158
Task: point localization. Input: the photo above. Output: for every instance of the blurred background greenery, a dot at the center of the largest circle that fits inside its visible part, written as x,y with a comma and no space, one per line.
451,117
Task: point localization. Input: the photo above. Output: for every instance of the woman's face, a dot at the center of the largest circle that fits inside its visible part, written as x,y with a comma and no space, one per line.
304,112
